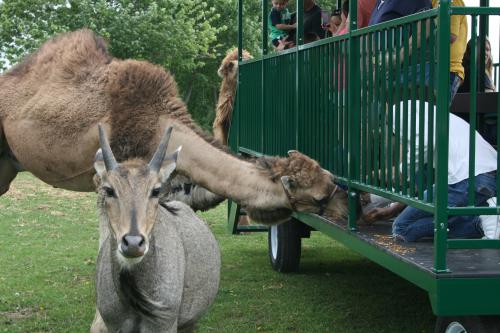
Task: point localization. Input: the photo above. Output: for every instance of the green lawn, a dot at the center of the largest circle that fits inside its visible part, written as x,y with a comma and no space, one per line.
48,244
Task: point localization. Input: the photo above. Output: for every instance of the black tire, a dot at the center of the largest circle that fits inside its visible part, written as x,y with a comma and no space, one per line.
468,324
284,246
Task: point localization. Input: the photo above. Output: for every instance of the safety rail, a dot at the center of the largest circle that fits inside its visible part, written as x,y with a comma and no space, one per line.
352,112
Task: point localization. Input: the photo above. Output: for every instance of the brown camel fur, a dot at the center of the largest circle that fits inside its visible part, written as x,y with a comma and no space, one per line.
52,102
228,71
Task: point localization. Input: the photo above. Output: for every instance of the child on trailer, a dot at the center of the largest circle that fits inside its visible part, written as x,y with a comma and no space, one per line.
279,22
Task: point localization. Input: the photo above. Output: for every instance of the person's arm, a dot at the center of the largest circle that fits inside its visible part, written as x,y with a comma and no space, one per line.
276,22
379,214
286,27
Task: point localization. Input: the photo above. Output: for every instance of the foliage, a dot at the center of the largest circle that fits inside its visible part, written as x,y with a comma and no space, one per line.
47,276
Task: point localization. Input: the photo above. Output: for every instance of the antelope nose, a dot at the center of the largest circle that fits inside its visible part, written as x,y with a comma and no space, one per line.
133,246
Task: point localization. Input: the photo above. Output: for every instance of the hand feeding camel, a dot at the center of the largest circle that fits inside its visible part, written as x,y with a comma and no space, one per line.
51,103
228,71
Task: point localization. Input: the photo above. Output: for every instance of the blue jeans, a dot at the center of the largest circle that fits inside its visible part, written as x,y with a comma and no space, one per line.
455,80
413,224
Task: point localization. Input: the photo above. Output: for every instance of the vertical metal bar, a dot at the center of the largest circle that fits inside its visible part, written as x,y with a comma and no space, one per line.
397,115
371,101
298,67
483,31
473,113
364,106
421,122
353,114
381,107
299,35
431,117
413,111
346,95
336,106
376,115
388,107
405,85
264,27
442,127
263,72
240,29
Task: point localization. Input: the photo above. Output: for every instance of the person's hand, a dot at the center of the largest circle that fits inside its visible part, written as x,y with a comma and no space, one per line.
284,44
378,214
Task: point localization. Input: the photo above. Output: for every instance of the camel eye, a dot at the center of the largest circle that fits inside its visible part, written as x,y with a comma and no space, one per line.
155,193
109,192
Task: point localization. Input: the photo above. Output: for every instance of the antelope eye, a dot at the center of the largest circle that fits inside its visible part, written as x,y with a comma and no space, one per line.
109,192
155,193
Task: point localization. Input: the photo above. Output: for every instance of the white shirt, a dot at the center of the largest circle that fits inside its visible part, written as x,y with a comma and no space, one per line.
458,149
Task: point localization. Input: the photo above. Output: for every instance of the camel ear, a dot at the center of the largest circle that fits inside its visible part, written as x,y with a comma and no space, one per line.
99,165
168,166
288,183
291,153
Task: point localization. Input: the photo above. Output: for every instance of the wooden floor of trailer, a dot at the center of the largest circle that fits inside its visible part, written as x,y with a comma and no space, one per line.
461,262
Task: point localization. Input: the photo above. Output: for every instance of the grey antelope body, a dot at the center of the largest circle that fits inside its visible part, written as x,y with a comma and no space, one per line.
158,264
51,103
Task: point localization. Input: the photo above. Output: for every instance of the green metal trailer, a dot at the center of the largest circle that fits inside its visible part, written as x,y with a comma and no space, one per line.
329,100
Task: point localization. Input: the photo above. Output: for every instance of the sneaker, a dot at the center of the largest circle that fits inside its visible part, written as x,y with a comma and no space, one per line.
491,223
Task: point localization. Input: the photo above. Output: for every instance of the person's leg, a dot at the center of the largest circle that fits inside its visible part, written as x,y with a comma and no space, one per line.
413,224
469,226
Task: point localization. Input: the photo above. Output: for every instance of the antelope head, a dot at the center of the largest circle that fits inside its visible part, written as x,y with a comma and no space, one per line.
129,196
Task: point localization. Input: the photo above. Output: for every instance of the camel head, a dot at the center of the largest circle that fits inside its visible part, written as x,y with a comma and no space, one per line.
309,188
229,66
129,195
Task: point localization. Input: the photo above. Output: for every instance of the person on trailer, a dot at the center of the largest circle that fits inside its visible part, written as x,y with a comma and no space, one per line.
279,22
335,22
487,76
312,19
413,224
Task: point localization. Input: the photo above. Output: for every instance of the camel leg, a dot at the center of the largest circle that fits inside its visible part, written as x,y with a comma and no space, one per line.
98,325
7,173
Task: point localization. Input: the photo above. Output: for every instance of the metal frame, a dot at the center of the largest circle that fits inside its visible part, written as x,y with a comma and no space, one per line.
447,294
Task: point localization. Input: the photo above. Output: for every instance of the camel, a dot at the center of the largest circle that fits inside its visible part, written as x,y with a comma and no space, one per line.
228,71
52,102
158,268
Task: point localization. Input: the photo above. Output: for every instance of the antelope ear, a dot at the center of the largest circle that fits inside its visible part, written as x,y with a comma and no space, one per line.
168,166
288,183
99,165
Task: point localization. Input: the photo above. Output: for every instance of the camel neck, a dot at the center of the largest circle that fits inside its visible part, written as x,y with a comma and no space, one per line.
224,174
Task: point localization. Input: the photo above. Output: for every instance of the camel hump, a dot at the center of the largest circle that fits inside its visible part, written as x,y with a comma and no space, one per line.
67,56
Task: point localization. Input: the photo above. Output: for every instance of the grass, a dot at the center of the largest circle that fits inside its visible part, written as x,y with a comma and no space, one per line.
48,245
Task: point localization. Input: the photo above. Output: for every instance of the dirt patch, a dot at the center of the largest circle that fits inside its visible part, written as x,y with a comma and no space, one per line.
20,314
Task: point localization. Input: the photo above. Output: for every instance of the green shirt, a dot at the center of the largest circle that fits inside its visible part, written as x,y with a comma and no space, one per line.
278,17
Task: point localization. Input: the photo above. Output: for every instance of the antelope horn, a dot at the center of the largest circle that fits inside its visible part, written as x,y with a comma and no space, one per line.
107,154
159,155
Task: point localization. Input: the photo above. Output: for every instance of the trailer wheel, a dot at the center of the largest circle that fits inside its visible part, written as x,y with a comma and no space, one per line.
468,324
284,246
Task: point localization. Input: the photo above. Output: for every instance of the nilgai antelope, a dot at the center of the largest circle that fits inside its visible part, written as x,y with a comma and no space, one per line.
51,103
158,265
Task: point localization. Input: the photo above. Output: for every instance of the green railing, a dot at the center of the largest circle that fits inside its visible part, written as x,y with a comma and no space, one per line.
351,101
